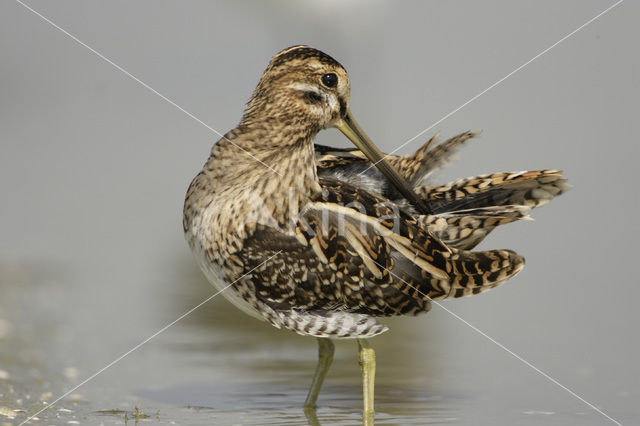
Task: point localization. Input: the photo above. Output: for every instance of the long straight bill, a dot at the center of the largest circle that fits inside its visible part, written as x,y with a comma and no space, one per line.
354,132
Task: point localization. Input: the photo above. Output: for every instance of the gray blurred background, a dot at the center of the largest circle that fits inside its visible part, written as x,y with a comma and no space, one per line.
94,167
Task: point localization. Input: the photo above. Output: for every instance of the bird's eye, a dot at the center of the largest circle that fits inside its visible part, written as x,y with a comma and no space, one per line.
330,80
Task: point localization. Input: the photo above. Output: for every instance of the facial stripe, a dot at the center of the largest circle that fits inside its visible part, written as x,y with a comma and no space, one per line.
315,95
305,87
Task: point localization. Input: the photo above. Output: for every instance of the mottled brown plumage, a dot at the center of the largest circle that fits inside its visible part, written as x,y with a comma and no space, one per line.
464,211
317,241
346,255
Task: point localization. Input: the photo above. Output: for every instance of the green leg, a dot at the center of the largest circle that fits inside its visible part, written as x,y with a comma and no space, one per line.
367,361
325,357
312,416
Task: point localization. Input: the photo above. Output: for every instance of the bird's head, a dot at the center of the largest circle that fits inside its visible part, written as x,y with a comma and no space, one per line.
302,85
303,91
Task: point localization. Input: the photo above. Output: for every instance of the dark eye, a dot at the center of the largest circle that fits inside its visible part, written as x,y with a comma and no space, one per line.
330,80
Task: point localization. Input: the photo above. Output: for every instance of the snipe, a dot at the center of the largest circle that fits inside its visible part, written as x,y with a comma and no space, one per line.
316,241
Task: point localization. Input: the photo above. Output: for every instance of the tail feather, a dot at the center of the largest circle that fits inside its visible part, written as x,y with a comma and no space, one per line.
530,189
425,161
439,271
467,210
464,229
473,273
481,271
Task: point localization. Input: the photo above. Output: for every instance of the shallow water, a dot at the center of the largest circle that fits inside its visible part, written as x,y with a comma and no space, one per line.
94,168
218,366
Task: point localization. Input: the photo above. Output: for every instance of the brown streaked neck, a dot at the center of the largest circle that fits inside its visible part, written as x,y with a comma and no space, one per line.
272,133
272,159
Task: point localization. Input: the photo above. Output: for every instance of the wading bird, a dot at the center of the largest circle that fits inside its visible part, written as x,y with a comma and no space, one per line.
316,240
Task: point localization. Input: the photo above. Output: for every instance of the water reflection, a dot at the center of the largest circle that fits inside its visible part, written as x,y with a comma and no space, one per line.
256,369
219,365
32,368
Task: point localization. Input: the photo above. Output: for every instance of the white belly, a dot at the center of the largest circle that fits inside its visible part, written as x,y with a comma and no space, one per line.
213,272
215,276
